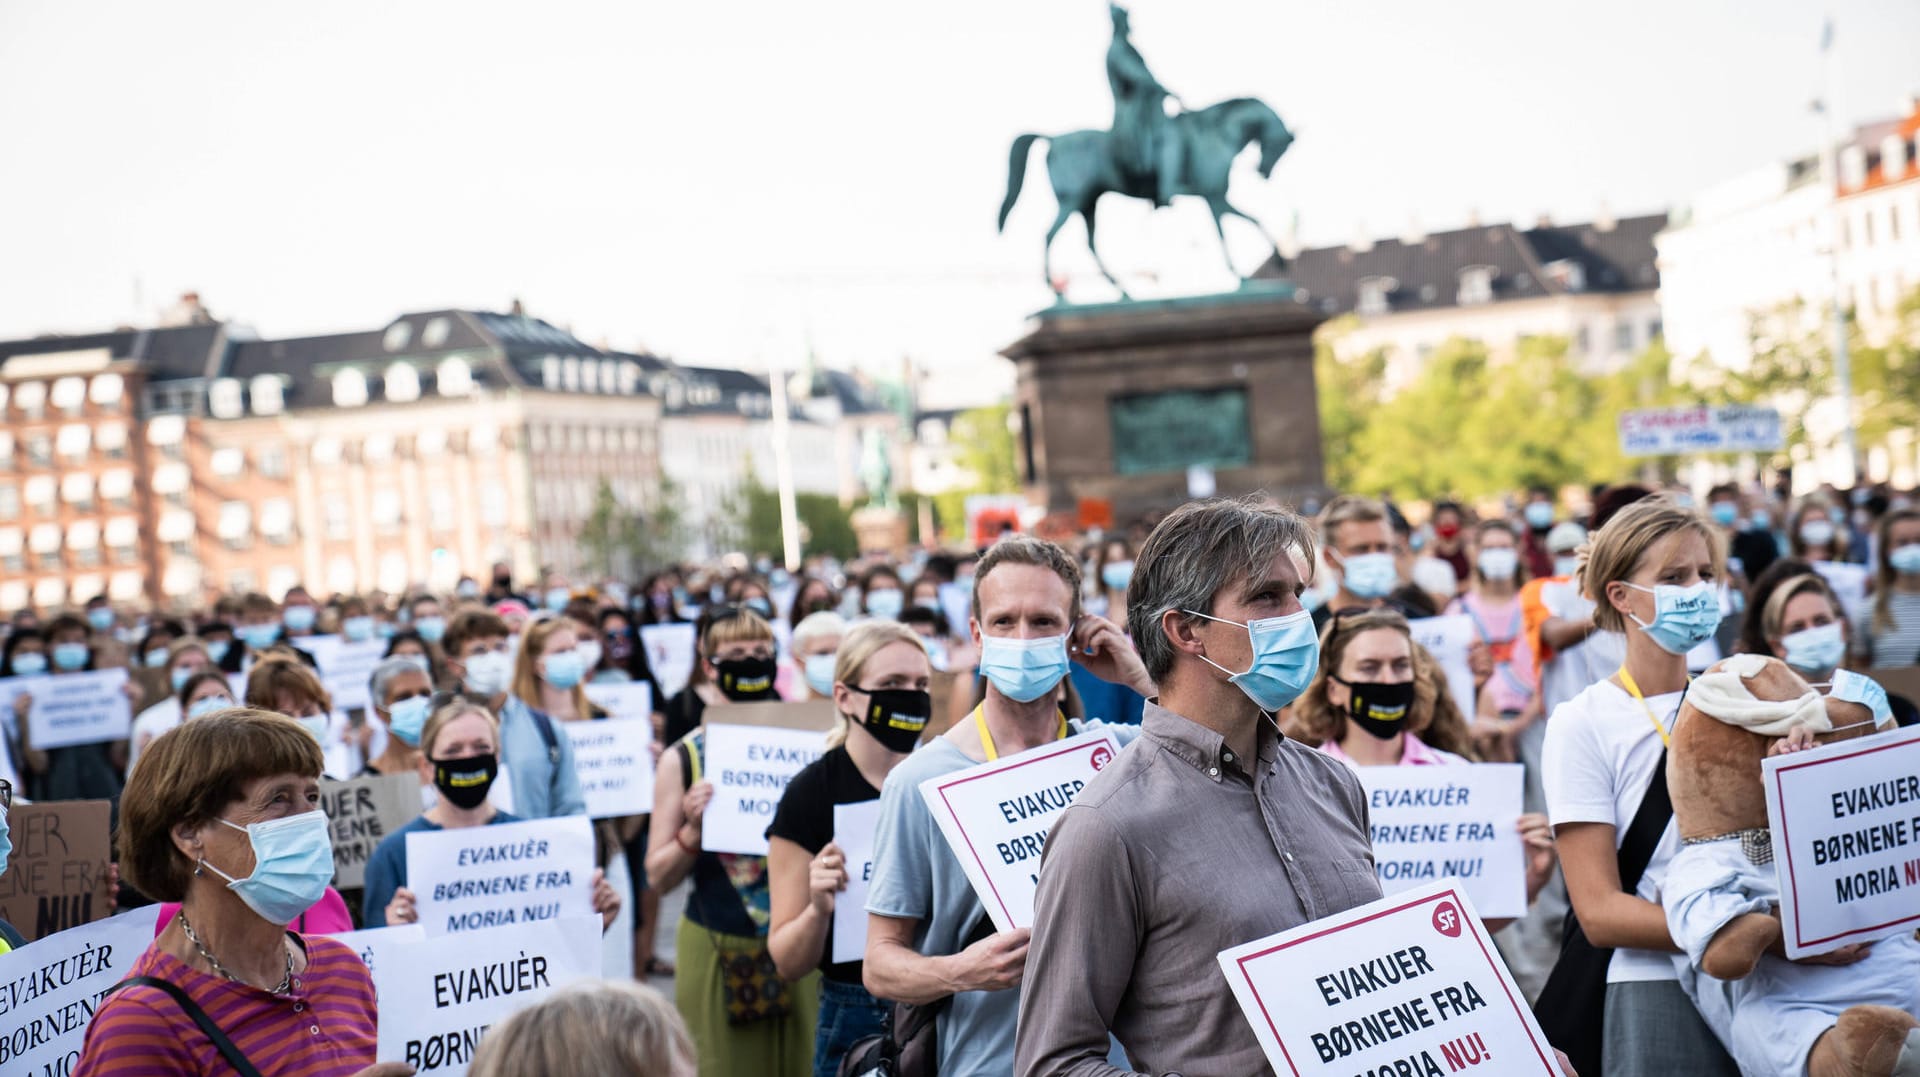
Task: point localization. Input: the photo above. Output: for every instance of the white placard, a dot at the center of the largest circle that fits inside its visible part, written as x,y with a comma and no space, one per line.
377,946
50,988
996,816
1849,583
345,667
1408,984
508,873
614,763
956,601
670,652
1699,428
750,767
1450,822
79,708
622,699
442,995
1449,638
853,830
1846,840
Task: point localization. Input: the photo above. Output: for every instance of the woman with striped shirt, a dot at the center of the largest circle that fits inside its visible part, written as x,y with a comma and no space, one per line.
224,817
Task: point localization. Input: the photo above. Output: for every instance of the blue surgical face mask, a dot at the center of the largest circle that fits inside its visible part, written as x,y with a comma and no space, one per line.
564,669
488,672
1498,563
466,589
207,705
1683,617
557,598
258,637
407,717
1857,688
156,657
760,606
1116,575
1815,650
179,677
1023,670
1816,532
100,618
818,670
885,604
357,629
298,618
292,865
1286,652
1905,559
217,650
1565,566
29,664
431,629
1761,520
70,657
6,842
1837,514
1539,515
1725,513
1370,575
315,724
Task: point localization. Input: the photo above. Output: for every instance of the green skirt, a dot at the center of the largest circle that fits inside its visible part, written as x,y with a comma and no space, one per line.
779,1047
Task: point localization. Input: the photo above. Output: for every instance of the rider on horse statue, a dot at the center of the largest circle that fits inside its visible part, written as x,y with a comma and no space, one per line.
1145,144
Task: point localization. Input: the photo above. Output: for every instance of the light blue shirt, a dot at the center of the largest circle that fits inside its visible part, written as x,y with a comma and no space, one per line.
917,877
545,785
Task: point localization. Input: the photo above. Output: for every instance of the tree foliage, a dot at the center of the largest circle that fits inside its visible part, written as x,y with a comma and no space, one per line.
826,526
626,541
984,448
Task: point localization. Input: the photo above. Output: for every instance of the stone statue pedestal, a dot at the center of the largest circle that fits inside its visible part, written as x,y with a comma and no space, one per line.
1136,403
881,531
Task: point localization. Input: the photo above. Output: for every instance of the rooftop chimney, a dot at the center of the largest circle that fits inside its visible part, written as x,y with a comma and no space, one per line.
1543,220
1603,219
1473,217
1414,235
188,310
1361,240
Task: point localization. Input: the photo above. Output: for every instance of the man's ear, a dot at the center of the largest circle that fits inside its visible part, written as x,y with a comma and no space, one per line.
1179,630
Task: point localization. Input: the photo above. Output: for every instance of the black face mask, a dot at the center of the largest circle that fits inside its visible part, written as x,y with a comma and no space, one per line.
1380,709
897,716
747,680
465,782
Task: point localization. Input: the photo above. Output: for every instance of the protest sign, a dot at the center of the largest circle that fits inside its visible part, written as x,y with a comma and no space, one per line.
749,766
853,828
614,763
345,667
1849,583
1846,840
56,877
670,654
379,945
507,873
79,708
1699,428
996,817
814,714
360,813
623,699
1448,638
49,990
1409,984
439,997
1439,822
956,601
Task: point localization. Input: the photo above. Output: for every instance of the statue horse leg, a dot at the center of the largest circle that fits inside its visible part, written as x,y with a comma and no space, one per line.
1060,217
1086,213
1221,209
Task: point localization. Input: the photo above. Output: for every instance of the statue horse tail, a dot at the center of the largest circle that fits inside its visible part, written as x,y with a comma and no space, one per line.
1016,175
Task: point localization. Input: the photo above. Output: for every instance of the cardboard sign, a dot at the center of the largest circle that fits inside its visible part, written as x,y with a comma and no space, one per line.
508,873
377,946
79,708
1408,984
1846,840
439,997
623,699
670,654
361,813
615,764
345,667
750,767
816,715
49,990
56,877
996,816
1450,822
853,830
1448,638
1849,583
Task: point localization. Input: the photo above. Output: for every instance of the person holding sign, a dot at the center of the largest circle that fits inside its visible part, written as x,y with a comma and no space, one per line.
880,691
742,670
744,1019
1651,572
184,658
540,760
224,816
1507,704
74,771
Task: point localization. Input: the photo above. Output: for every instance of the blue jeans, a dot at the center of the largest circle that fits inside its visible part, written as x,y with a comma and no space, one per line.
847,1013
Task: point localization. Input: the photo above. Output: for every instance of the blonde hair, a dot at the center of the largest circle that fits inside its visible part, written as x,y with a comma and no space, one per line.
279,675
1775,611
441,718
1348,509
1884,576
526,675
1615,551
857,647
1433,717
598,1026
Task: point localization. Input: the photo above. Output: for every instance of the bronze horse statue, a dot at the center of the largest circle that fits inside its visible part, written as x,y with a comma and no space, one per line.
1082,167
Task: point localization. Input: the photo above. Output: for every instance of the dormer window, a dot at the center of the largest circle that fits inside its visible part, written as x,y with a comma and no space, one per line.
550,372
268,397
1374,293
435,334
1568,275
397,336
349,388
223,399
1476,285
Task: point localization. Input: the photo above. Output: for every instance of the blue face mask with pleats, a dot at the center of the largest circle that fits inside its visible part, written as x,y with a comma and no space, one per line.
1815,650
292,865
1858,688
1286,652
1683,617
1023,669
407,717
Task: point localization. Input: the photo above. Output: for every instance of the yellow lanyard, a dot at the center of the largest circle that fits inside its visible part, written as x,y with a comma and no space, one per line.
1626,679
986,738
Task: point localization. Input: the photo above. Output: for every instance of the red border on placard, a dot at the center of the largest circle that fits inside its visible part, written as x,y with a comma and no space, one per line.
1786,843
984,873
1478,937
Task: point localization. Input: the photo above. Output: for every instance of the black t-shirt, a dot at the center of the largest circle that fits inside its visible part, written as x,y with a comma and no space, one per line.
805,818
683,713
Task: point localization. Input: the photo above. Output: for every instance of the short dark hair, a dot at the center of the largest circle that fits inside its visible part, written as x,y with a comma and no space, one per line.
1027,550
471,624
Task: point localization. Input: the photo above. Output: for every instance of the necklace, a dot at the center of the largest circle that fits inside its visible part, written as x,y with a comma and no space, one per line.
286,981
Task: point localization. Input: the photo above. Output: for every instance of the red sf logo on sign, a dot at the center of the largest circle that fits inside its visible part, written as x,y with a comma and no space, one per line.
1101,757
1446,920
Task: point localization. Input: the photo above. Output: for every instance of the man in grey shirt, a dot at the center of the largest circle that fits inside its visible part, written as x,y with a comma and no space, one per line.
1212,830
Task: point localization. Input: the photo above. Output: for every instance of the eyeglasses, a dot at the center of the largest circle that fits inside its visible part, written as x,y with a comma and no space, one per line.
6,795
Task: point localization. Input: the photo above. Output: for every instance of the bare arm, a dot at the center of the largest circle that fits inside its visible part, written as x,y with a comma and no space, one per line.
667,861
1609,916
895,970
803,897
1560,633
32,758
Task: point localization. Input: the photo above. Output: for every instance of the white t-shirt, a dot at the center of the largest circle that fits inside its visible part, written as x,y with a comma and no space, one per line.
1596,765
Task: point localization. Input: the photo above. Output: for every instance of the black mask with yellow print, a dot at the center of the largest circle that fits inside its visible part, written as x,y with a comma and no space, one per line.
465,781
1380,709
897,716
747,680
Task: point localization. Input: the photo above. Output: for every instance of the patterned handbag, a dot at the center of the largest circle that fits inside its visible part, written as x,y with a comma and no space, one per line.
754,989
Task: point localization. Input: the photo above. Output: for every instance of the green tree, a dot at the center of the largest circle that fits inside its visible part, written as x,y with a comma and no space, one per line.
621,540
1348,390
985,449
753,511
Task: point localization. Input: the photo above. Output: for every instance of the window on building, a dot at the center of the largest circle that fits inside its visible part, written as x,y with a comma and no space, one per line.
235,526
229,462
70,396
107,390
1654,329
336,519
1476,285
269,396
276,521
31,398
1374,293
224,399
402,383
349,388
9,501
50,593
39,494
435,333
44,542
377,449
168,433
13,550
111,440
39,450
385,508
76,489
123,540
83,538
271,461
493,505
429,442
72,442
116,488
397,336
453,377
440,510
6,451
176,529
1623,336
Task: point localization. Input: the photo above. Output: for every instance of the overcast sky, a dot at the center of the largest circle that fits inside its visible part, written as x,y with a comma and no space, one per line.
725,182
